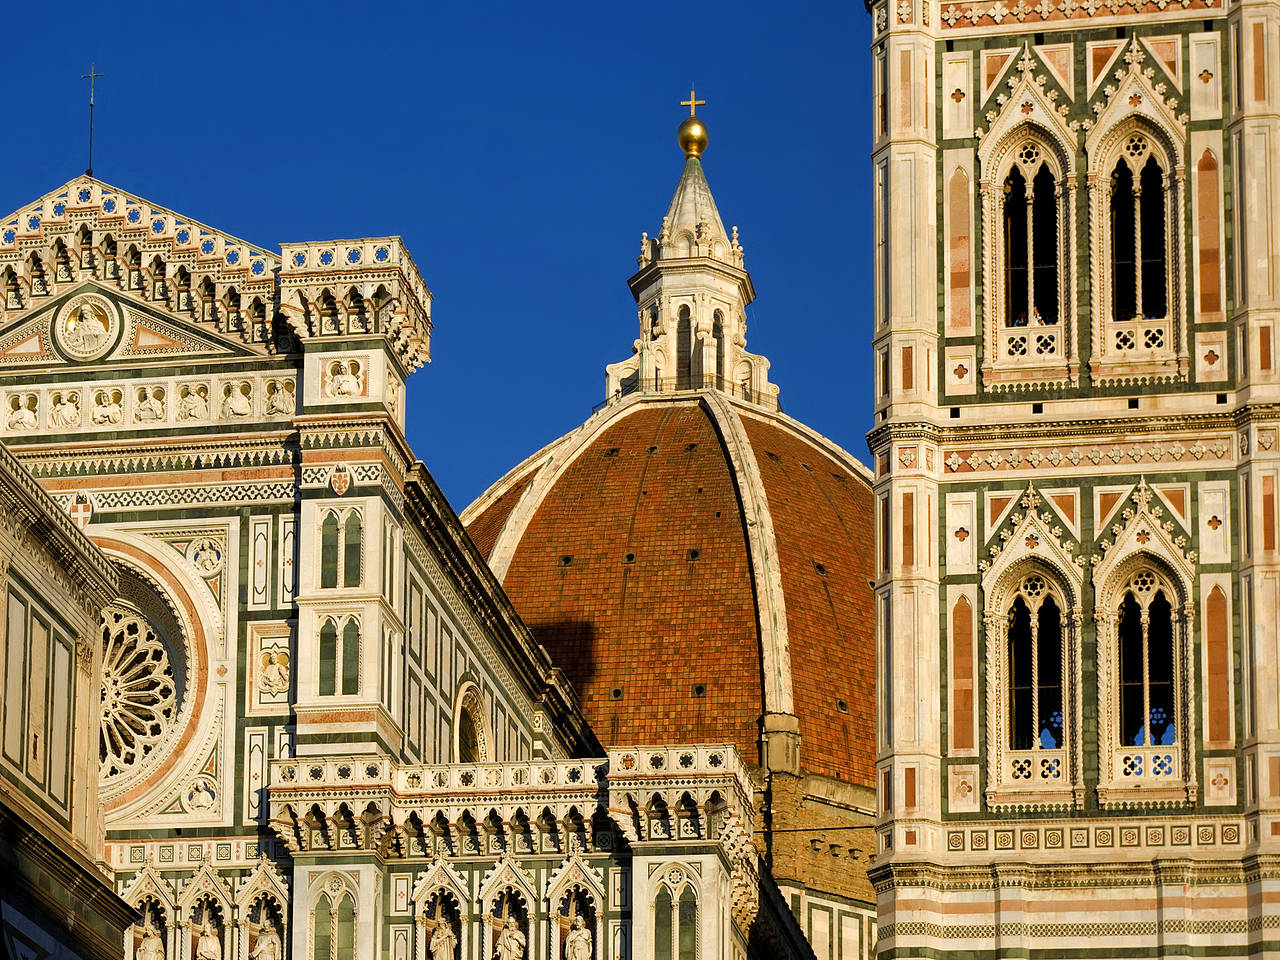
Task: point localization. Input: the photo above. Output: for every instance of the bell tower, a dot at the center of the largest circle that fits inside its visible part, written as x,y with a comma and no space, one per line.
1077,280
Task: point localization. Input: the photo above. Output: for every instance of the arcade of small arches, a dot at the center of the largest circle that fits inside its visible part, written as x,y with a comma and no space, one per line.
200,919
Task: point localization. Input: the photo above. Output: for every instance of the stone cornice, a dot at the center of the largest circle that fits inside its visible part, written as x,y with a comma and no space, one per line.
35,509
1084,429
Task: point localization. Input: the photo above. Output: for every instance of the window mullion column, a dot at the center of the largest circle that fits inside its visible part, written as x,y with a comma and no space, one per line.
1035,681
1146,680
1031,263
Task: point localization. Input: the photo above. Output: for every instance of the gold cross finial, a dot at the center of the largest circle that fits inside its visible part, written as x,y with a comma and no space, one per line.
692,102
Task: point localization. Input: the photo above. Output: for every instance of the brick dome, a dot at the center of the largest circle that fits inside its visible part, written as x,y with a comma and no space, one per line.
695,563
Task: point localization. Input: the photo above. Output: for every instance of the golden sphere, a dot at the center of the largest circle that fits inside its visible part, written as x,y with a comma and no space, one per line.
692,136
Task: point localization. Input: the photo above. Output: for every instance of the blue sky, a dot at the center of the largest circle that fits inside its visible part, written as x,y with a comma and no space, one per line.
519,149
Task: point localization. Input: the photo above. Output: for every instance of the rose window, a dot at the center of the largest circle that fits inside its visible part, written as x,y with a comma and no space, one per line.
139,692
1029,153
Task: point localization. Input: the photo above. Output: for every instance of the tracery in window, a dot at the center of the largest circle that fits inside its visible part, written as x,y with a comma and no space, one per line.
1027,292
140,694
1144,689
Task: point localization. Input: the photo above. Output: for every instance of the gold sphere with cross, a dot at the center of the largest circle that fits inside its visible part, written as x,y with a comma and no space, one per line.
692,135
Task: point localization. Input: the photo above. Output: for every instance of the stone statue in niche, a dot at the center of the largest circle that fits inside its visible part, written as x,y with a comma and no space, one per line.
22,413
193,404
151,947
107,407
511,943
236,400
208,947
443,942
577,946
65,411
150,404
274,677
268,945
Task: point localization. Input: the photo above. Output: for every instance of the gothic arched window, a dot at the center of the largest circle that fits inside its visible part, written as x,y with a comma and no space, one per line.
1029,639
329,550
675,924
472,741
717,333
1144,690
339,661
1148,711
351,550
1139,256
341,539
1031,255
1027,281
1035,670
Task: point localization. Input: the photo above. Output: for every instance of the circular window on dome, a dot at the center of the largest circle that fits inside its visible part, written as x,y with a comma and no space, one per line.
143,683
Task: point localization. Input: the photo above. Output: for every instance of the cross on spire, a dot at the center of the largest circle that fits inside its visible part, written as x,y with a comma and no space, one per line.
692,103
91,76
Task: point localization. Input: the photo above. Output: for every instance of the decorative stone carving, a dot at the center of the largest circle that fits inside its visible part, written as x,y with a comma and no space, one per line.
108,406
511,942
151,947
193,402
64,409
345,379
205,554
150,405
280,397
201,795
23,411
274,676
577,945
443,942
208,947
268,945
86,327
237,400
